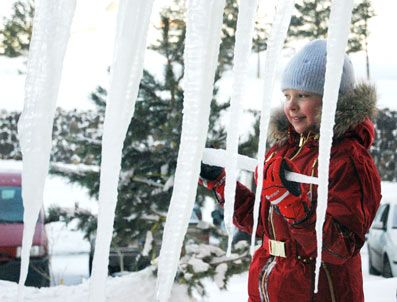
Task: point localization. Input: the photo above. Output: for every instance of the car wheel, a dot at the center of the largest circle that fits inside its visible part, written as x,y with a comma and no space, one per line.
371,269
387,273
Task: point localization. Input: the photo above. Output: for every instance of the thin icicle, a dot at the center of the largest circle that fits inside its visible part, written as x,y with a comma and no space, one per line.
338,31
51,31
126,73
216,157
242,52
275,45
203,29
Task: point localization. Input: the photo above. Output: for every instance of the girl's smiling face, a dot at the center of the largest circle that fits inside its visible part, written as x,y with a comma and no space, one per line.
301,109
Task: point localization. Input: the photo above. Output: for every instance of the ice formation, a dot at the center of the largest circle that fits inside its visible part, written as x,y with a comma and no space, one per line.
338,31
242,52
148,244
203,29
126,73
215,157
275,44
51,31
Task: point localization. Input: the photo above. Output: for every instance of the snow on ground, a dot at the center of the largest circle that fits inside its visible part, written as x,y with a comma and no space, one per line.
69,253
389,190
133,287
376,288
141,286
381,290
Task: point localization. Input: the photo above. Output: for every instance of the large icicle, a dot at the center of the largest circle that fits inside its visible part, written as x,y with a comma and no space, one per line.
338,31
51,31
242,52
126,73
203,29
275,45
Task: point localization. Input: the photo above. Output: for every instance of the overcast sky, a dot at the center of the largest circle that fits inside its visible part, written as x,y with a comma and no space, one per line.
90,49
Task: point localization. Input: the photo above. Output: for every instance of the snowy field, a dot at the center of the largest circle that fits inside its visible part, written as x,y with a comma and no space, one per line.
69,262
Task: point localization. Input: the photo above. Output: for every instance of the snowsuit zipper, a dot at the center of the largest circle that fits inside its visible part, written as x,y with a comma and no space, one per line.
264,278
271,262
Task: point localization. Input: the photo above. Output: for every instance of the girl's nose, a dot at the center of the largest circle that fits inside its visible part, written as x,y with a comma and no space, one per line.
293,104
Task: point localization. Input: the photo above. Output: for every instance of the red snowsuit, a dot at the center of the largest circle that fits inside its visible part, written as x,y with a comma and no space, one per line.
354,196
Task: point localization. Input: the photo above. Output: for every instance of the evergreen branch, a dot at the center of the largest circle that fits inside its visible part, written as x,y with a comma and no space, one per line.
225,259
69,169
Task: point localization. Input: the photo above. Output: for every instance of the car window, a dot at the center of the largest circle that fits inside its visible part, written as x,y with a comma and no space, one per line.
11,207
379,213
385,215
394,224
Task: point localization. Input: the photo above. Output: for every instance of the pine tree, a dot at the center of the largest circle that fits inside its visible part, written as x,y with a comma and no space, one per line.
311,21
150,153
17,30
361,14
9,145
385,145
228,36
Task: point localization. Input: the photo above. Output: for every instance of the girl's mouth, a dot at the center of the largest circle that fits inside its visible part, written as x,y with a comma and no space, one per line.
297,119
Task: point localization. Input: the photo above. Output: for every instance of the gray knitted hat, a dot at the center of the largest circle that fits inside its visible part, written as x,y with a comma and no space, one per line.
306,70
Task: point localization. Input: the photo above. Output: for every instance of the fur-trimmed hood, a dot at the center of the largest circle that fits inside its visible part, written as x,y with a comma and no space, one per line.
352,109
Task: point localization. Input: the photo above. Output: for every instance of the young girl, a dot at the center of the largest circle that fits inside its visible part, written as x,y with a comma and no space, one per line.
282,269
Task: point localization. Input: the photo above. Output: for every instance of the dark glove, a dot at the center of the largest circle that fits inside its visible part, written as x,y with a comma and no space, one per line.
288,196
211,176
210,172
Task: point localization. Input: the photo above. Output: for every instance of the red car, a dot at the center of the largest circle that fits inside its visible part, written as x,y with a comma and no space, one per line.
11,230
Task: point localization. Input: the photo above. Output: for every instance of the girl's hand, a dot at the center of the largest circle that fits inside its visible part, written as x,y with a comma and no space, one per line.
211,176
288,196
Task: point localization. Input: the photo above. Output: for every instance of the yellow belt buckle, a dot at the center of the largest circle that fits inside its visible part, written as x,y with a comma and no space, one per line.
277,248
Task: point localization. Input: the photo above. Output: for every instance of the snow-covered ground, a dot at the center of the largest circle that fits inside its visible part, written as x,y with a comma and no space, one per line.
141,285
69,254
133,287
69,262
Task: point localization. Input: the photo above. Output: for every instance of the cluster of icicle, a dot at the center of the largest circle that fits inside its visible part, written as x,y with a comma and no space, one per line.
51,30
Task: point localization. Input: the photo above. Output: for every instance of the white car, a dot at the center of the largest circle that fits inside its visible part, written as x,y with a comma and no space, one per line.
382,241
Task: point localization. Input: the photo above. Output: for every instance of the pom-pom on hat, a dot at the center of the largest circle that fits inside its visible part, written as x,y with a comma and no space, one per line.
306,70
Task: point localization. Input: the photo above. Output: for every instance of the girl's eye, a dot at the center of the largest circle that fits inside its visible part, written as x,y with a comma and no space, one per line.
301,95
